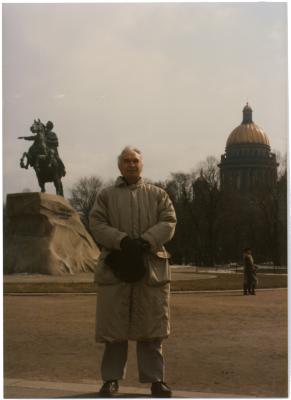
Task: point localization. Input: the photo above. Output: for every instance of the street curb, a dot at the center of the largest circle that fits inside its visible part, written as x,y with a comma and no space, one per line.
92,389
172,292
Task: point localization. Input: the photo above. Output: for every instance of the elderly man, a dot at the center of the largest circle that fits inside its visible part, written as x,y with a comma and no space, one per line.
131,221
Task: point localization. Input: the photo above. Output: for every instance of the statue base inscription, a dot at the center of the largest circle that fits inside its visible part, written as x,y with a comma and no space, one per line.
46,236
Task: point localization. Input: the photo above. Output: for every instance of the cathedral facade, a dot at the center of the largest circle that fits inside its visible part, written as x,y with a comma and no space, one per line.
248,163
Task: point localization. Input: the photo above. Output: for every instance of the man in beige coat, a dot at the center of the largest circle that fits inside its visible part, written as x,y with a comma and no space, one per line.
131,221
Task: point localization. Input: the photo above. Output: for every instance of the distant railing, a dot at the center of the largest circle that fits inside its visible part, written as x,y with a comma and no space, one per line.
235,267
266,269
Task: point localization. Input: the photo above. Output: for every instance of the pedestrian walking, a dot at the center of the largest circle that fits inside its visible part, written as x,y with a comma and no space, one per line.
250,273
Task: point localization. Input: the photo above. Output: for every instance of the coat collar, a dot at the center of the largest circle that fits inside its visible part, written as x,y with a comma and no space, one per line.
120,181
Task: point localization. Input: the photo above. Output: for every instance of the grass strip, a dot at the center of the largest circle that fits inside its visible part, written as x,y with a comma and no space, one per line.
230,282
221,282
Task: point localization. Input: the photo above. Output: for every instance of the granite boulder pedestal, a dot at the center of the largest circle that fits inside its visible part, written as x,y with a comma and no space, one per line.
46,236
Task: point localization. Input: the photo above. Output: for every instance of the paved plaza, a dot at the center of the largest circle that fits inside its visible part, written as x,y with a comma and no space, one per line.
222,344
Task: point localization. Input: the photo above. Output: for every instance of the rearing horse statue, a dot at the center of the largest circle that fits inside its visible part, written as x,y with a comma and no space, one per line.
43,158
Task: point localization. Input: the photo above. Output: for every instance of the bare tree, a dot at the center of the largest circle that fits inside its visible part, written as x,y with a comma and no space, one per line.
282,161
272,204
179,188
206,201
210,171
83,195
195,197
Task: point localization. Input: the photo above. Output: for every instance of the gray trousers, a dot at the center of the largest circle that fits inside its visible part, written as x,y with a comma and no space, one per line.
150,361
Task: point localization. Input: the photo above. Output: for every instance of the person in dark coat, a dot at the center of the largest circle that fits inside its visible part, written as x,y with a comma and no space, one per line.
250,274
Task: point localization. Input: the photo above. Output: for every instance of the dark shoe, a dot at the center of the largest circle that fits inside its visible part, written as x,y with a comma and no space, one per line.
109,388
160,389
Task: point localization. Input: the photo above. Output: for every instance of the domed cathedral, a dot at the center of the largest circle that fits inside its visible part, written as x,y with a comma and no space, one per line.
248,162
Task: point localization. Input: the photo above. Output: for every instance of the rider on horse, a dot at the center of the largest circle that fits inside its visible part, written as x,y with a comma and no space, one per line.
45,144
43,156
52,142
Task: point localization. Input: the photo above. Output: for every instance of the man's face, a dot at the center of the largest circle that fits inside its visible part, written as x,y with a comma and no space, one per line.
131,166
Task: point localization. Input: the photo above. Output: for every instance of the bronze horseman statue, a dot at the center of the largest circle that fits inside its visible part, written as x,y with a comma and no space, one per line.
43,156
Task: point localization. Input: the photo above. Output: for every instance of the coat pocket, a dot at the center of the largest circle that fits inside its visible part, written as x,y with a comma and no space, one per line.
158,268
103,273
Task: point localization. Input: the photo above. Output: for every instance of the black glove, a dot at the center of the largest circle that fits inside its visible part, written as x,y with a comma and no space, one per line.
128,264
144,244
134,246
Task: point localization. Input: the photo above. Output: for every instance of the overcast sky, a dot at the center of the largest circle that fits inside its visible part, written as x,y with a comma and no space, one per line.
169,78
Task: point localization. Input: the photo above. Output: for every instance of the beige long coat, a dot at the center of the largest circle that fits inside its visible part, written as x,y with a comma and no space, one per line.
133,311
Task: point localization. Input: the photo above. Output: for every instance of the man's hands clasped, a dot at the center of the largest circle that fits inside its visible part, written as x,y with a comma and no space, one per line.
127,264
134,247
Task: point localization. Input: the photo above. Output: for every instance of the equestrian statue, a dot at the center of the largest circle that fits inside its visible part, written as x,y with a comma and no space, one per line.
43,156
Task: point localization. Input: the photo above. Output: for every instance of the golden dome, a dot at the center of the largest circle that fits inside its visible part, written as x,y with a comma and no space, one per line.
247,132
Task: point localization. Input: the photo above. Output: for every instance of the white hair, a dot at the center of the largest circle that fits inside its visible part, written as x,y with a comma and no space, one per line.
125,150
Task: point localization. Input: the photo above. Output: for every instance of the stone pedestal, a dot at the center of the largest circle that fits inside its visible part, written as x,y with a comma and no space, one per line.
46,236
